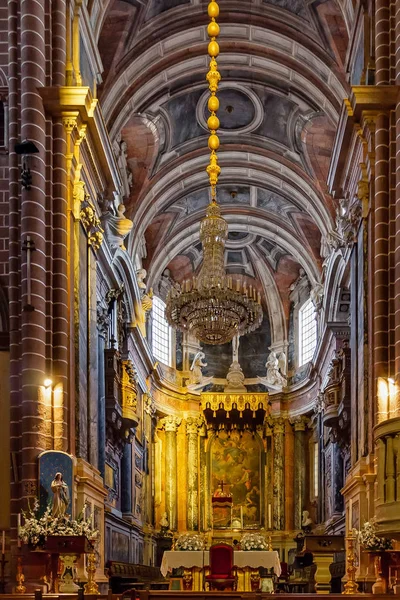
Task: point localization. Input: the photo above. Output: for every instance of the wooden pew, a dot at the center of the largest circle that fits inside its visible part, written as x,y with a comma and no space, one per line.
124,576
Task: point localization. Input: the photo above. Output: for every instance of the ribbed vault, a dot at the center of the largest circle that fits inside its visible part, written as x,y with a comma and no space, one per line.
282,85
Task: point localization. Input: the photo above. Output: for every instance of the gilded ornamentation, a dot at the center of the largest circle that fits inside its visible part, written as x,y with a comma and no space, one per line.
300,423
69,122
88,216
20,578
149,404
91,586
230,401
170,423
351,586
129,391
193,425
213,76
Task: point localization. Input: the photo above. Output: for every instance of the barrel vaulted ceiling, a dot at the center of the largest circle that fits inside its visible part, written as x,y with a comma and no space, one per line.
283,82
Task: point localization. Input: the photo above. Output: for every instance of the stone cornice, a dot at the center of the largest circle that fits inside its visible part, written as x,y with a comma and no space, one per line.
78,103
364,100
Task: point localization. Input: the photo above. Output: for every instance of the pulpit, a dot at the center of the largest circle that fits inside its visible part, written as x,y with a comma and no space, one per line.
68,548
323,548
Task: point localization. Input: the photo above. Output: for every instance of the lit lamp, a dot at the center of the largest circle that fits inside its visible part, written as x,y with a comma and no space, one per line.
26,149
212,306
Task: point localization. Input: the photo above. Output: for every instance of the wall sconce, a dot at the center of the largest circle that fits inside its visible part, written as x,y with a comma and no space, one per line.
26,149
387,395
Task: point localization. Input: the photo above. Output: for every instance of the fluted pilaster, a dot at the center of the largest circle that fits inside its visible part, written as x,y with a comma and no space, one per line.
299,424
192,431
278,426
171,424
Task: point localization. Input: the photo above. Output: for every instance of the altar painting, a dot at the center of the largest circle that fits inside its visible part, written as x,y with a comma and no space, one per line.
236,462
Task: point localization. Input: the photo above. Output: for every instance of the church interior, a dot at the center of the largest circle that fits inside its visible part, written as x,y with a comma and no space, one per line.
199,297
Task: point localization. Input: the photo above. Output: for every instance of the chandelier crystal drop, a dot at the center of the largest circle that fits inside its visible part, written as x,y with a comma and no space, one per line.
212,306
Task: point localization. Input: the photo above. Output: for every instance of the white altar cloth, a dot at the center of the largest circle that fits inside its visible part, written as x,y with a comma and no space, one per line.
173,559
257,558
198,558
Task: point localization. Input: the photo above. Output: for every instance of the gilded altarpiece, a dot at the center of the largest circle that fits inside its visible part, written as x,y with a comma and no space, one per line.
238,461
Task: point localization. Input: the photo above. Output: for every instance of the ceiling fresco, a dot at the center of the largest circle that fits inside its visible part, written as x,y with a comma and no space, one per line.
283,81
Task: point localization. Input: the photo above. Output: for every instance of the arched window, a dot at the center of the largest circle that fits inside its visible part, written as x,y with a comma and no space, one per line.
307,332
161,333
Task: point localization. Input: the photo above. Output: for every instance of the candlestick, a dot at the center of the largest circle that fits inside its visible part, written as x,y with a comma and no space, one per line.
3,563
91,586
351,587
18,528
20,578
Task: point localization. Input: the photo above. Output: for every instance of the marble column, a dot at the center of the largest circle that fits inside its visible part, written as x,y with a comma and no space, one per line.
171,424
337,478
279,476
299,469
103,320
149,416
192,432
126,480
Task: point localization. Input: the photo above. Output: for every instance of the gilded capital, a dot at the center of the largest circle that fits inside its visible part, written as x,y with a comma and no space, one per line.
170,423
193,425
300,423
278,425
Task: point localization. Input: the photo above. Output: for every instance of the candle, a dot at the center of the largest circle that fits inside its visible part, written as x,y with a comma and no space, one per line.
350,514
269,516
3,542
241,517
18,528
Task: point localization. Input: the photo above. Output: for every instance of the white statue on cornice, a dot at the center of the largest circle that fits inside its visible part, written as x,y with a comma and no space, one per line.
235,379
146,301
197,381
282,363
317,296
116,227
274,379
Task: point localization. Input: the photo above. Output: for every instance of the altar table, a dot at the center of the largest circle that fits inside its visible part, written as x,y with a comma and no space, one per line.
193,562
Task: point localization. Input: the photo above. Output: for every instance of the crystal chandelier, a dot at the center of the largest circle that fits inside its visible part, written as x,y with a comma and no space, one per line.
212,306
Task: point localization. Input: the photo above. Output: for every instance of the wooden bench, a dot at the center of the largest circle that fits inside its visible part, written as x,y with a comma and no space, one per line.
126,576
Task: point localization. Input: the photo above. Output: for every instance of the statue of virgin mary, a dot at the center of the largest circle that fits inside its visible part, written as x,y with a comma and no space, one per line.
60,496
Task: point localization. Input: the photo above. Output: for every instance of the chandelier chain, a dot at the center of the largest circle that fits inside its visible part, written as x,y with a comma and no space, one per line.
212,306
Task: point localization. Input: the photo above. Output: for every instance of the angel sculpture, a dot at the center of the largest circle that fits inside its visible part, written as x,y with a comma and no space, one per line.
197,380
274,379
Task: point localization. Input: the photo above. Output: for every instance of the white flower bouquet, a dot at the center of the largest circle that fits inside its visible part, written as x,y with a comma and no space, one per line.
369,540
189,542
253,541
35,530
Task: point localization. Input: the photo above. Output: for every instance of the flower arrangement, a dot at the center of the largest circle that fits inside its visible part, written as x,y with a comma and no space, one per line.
369,540
253,541
35,529
189,542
